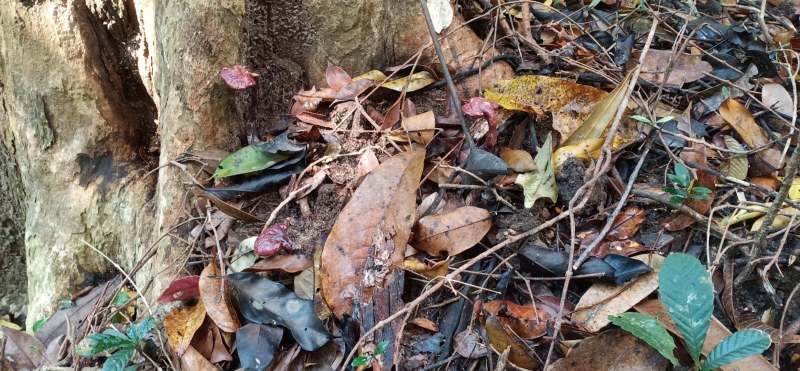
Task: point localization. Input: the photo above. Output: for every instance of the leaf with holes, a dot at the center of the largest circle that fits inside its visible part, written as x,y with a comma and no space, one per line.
741,344
687,293
270,303
648,329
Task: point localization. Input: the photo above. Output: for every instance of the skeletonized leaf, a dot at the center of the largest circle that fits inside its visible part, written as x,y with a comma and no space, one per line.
453,232
256,345
215,293
650,330
688,294
741,344
736,166
540,183
371,232
267,302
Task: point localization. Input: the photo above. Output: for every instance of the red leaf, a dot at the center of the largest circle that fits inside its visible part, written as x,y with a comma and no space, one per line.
337,78
181,289
477,107
272,239
238,77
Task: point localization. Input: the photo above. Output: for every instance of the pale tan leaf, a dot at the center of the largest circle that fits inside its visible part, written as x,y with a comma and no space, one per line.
519,160
215,293
453,232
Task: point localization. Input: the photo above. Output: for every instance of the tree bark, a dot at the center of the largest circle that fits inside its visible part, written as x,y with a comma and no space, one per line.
95,94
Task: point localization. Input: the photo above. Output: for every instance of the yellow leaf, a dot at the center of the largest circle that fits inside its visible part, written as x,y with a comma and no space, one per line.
794,190
582,150
780,220
373,75
418,81
602,116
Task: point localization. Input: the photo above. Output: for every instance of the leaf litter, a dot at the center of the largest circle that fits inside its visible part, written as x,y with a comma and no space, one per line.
369,199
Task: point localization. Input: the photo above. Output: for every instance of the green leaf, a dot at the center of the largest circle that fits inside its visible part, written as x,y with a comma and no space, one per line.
381,347
121,299
650,330
641,118
682,172
702,190
540,183
39,324
672,190
665,119
676,200
741,344
118,360
736,166
688,295
247,160
138,332
361,361
99,343
678,180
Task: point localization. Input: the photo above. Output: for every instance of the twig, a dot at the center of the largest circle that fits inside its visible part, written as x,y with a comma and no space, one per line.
455,101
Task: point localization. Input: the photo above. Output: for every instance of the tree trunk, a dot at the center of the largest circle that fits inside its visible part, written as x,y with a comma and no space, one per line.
96,94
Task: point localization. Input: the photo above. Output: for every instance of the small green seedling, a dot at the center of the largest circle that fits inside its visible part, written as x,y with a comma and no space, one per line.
687,293
123,345
367,359
684,186
646,120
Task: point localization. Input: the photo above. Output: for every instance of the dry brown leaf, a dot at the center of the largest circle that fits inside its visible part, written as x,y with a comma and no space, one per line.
288,263
215,293
367,162
429,271
776,97
232,210
420,127
743,122
627,223
716,332
519,160
500,339
181,324
337,78
425,323
611,350
524,320
685,67
193,360
607,299
469,345
370,235
452,232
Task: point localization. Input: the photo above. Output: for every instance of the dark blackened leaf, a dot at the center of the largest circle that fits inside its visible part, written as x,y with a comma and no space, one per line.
485,165
596,40
238,77
181,289
61,322
766,68
556,263
625,268
267,302
272,239
281,143
268,179
574,13
257,344
622,50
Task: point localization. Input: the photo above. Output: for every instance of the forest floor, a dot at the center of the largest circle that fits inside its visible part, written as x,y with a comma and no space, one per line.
628,199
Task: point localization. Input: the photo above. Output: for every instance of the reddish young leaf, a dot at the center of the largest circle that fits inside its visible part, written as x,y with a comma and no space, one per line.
238,77
477,107
272,239
181,289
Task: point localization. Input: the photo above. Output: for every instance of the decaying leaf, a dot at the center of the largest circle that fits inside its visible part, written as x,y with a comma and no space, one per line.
181,325
519,160
743,122
585,150
24,350
627,223
270,303
215,293
570,103
776,97
685,67
452,232
419,128
256,345
289,263
438,269
367,162
337,78
181,289
611,350
524,320
441,14
540,183
371,232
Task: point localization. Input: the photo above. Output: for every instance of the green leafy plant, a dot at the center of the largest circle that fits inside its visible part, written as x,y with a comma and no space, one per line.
687,293
684,186
123,345
367,358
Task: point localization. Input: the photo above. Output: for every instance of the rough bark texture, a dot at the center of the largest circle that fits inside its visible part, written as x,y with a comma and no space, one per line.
94,94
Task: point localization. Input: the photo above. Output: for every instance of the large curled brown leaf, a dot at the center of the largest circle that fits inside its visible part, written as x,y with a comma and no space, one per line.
452,232
370,234
181,324
215,293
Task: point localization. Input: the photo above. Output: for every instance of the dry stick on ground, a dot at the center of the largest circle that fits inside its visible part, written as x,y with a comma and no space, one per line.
605,157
